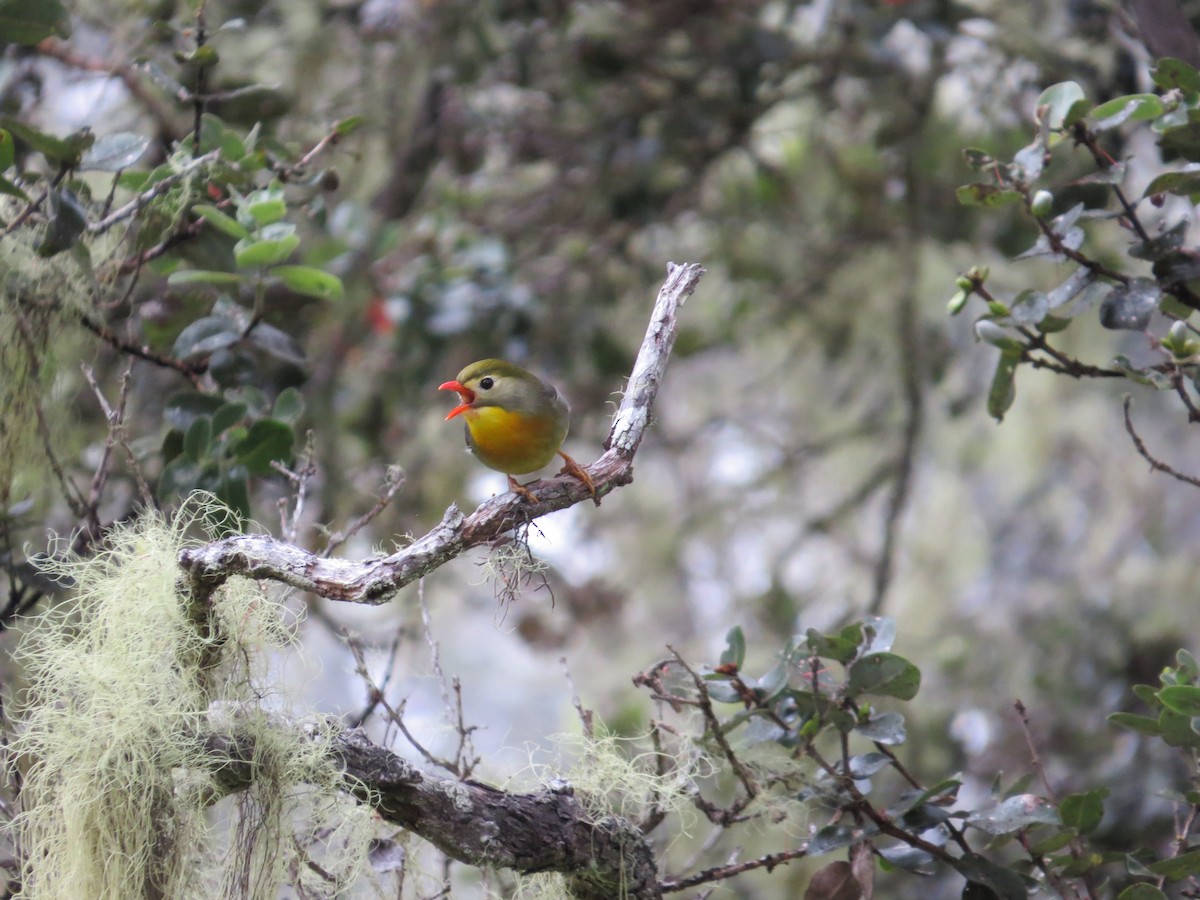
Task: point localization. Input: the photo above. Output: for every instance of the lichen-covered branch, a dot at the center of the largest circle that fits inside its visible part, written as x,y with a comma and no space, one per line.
544,831
376,579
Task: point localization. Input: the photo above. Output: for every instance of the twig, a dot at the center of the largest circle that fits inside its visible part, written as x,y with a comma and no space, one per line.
1075,846
395,716
289,525
465,758
159,187
586,715
392,482
717,873
1140,446
714,725
376,579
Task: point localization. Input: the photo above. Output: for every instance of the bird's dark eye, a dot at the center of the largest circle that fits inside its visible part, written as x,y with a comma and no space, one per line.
486,383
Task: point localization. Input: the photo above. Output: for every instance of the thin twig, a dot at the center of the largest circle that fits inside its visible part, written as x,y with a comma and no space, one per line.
1156,464
155,190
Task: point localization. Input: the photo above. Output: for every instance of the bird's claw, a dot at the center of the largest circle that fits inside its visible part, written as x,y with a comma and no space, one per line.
521,491
572,468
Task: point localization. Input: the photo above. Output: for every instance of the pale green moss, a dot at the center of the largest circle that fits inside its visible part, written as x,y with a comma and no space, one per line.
118,791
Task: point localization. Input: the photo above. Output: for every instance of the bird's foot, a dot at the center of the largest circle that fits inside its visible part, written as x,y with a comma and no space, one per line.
573,468
520,490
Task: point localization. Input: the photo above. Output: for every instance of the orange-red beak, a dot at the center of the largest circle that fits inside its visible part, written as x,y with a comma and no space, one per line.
466,394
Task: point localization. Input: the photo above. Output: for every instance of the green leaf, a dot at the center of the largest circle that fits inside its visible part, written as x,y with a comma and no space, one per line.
263,207
1170,73
310,281
215,134
268,440
1147,694
1141,892
228,416
774,681
1052,844
7,187
1130,306
1056,101
8,153
179,477
1187,665
201,276
206,335
1029,307
1121,109
735,647
867,764
1140,724
1163,245
879,633
278,343
1003,390
841,647
987,195
289,406
182,408
54,149
30,21
722,690
67,223
1183,139
1077,112
198,438
228,224
1083,812
114,152
884,728
1178,867
1181,698
835,837
1004,884
1013,814
884,674
249,253
1176,729
348,125
991,333
911,859
233,491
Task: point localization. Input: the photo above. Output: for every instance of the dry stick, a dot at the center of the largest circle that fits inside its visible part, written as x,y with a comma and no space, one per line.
393,481
465,757
376,579
1156,464
1036,761
718,733
718,873
395,716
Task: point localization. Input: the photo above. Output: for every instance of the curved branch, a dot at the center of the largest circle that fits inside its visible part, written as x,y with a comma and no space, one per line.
376,579
544,831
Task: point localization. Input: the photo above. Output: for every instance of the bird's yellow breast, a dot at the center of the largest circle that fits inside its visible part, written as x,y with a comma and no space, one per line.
513,442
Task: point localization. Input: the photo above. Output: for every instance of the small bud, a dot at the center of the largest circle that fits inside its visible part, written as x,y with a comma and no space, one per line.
978,273
963,283
996,308
957,302
1041,203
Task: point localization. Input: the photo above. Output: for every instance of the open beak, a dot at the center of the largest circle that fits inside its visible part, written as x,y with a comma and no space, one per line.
465,394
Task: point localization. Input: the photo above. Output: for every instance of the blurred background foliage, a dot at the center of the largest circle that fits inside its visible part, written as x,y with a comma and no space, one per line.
521,174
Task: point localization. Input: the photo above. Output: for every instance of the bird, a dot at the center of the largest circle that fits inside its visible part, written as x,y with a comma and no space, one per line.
515,422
